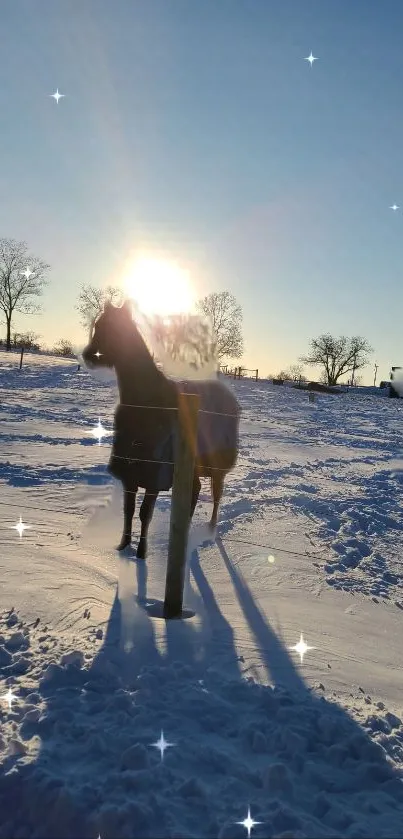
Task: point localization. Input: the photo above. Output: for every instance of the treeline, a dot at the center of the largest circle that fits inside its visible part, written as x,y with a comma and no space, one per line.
23,278
32,342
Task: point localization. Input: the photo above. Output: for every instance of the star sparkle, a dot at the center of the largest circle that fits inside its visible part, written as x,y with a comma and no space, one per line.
162,744
27,273
20,527
57,96
311,58
394,207
10,697
248,823
98,432
301,648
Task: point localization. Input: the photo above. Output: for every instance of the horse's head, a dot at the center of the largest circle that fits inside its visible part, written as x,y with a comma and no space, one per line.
110,333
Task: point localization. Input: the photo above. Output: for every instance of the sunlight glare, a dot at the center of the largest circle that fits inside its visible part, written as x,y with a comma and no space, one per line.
159,286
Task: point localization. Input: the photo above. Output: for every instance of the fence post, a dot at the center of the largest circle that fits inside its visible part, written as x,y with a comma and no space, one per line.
185,455
257,374
22,355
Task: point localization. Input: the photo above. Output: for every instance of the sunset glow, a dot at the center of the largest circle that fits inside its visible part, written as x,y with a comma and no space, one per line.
159,286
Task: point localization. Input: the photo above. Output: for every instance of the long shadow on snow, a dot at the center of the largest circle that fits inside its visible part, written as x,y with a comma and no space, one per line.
184,643
300,762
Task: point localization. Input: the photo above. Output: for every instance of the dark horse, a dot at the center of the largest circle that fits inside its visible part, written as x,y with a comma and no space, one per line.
143,447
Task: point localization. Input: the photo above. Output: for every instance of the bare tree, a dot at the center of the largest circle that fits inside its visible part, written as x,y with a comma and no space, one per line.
22,278
63,347
337,356
16,340
285,375
226,316
354,382
297,372
29,340
184,337
91,301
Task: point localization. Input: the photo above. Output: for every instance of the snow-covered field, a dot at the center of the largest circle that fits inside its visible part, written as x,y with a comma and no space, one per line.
310,541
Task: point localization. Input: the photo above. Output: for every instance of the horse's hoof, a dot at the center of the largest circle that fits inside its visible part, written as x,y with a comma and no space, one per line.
141,549
124,542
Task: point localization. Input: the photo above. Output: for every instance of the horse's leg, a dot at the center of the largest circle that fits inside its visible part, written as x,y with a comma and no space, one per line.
146,514
129,505
195,493
217,487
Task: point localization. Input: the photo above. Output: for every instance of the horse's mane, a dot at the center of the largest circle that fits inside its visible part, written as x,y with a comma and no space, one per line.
183,345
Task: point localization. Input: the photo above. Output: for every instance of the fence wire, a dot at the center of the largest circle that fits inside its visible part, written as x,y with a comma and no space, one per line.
132,459
223,538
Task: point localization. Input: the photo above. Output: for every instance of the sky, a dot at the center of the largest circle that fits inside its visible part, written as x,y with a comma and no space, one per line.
197,131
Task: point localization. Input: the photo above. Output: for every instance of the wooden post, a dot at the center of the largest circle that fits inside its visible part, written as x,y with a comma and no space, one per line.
257,374
21,356
185,455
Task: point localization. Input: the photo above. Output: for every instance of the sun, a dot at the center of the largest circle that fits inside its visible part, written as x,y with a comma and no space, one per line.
159,286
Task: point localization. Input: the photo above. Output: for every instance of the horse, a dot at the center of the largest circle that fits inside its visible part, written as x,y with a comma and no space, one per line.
144,422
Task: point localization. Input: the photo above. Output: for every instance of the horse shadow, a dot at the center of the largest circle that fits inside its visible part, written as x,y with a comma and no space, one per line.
303,764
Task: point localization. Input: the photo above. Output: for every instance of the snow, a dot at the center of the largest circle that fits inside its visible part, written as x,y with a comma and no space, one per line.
309,542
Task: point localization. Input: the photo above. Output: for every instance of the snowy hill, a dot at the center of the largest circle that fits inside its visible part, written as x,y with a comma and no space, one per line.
309,542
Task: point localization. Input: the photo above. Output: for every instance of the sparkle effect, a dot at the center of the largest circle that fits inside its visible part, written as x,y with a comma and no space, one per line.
311,58
248,823
301,648
20,527
99,432
9,697
162,744
57,96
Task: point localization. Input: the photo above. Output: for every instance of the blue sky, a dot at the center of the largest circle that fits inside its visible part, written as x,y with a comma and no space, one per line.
195,128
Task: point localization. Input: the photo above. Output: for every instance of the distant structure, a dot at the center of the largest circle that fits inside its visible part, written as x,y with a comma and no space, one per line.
239,372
